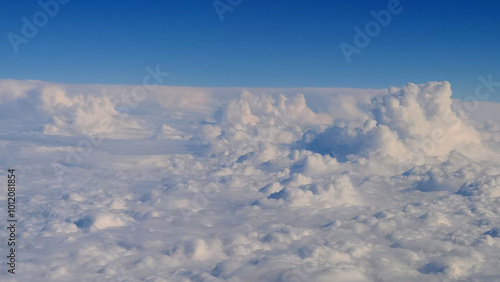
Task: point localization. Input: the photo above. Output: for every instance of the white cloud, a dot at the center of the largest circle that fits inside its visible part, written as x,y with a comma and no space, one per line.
212,184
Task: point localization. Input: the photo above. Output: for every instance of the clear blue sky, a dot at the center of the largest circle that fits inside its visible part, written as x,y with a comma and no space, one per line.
261,43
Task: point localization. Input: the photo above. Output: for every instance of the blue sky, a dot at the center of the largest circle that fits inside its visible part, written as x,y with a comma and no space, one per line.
280,43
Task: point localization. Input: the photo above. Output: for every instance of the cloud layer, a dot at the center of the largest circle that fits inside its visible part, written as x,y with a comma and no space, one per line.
217,184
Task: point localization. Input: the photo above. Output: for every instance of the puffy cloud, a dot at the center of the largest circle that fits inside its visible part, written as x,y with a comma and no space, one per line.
262,126
86,115
301,191
408,124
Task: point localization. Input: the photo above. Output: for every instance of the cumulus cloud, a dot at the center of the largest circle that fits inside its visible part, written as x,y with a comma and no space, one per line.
302,191
407,125
86,115
260,125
